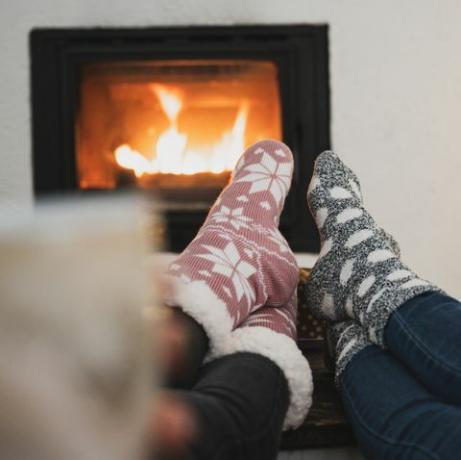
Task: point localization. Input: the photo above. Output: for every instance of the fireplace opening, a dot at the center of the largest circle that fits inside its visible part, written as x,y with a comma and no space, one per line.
170,109
177,127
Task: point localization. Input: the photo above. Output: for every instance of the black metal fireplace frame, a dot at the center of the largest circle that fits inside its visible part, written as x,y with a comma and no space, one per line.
299,51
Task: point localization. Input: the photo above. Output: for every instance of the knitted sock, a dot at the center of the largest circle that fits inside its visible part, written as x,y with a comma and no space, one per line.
271,332
358,274
239,261
346,339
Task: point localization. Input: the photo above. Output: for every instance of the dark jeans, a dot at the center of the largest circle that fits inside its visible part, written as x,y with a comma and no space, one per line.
405,402
241,401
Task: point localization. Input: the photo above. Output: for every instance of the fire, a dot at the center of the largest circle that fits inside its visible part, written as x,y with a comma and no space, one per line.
172,155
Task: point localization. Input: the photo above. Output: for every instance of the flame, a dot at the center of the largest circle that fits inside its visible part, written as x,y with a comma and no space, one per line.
170,100
128,158
171,152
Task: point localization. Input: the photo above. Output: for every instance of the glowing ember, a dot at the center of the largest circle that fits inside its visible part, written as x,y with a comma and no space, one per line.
171,153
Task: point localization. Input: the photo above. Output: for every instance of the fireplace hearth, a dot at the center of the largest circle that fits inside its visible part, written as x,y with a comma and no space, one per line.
169,110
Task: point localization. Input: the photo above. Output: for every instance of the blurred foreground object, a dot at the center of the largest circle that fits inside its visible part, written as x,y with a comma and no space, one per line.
76,373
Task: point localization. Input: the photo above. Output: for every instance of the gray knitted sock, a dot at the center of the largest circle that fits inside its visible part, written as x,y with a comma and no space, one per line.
359,273
346,339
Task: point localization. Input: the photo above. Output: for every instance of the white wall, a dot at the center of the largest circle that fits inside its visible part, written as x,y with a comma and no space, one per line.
396,93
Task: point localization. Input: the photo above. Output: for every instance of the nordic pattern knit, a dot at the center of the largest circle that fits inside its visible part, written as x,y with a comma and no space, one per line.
238,276
358,274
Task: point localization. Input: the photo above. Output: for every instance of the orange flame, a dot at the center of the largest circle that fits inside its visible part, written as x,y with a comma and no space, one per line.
171,152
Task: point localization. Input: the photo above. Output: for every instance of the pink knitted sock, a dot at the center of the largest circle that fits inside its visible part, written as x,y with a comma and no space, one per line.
239,261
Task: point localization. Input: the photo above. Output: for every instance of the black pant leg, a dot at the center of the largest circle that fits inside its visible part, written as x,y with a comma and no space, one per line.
240,401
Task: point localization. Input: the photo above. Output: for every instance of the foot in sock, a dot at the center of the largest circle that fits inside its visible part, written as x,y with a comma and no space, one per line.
239,261
359,273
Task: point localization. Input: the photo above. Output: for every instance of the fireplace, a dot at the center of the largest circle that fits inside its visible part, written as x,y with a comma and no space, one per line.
169,110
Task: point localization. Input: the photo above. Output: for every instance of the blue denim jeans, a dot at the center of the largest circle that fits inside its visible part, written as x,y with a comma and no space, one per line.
405,402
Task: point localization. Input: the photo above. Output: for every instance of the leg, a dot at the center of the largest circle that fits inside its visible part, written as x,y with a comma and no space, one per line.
424,334
238,275
392,414
235,415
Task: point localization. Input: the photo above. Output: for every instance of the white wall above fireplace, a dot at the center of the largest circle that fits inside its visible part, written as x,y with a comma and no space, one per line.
395,73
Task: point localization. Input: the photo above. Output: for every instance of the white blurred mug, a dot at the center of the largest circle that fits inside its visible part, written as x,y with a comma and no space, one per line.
76,373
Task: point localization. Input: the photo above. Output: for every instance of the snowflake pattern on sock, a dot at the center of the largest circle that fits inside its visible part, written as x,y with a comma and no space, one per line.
359,273
239,253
